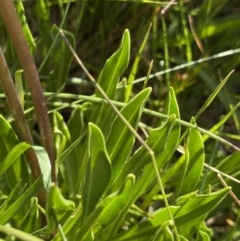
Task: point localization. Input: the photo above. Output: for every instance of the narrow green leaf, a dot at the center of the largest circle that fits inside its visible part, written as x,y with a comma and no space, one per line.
44,233
172,104
114,67
213,95
56,205
183,163
163,233
148,74
186,32
206,230
212,85
227,165
114,205
199,205
173,137
166,50
204,233
85,231
30,221
77,154
181,200
146,228
59,124
62,59
196,160
148,179
148,173
182,238
121,139
21,201
128,88
43,17
194,208
25,28
76,124
9,198
71,226
61,147
69,165
43,23
12,156
221,122
77,150
157,142
172,140
98,172
216,27
45,165
8,141
202,236
108,79
191,228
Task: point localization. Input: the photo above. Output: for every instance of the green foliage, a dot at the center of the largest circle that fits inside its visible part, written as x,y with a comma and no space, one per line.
109,172
108,80
120,140
56,207
98,168
62,60
11,206
11,150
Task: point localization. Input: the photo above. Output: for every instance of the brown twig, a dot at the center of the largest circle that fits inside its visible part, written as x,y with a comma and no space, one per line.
15,107
194,33
14,29
137,136
230,192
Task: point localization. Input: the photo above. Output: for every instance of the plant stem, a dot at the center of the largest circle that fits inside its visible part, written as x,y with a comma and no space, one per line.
14,29
137,136
16,109
82,98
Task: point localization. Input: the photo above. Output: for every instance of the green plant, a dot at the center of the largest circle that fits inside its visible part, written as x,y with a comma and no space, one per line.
110,174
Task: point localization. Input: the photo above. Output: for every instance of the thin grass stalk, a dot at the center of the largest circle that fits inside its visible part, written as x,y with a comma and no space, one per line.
137,136
55,39
210,162
154,32
7,229
81,98
186,65
128,90
148,74
186,32
207,103
166,52
14,29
